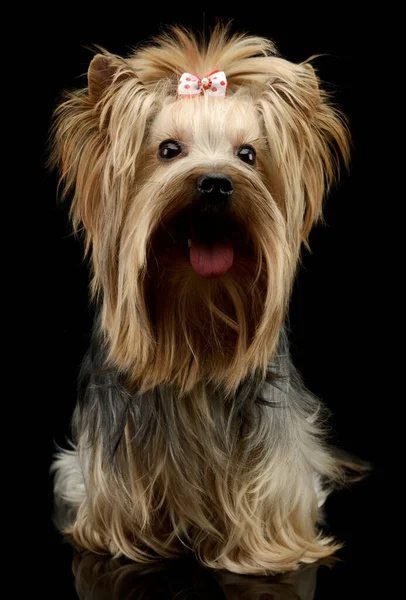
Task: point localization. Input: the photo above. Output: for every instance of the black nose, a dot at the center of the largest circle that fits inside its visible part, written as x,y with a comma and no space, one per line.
215,187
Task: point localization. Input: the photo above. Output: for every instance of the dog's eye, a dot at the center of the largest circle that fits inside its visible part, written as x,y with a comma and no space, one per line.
247,154
169,149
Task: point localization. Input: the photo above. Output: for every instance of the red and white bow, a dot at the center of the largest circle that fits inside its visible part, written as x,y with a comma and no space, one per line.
213,84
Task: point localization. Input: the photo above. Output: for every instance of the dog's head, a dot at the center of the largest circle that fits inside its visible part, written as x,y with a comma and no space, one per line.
196,171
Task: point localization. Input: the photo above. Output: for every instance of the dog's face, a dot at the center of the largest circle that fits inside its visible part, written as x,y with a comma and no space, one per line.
208,163
195,207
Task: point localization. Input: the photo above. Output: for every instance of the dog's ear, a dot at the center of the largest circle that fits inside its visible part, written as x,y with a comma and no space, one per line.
298,87
106,70
307,137
100,75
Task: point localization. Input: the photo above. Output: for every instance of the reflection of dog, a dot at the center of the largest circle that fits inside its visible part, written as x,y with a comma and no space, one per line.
195,193
103,578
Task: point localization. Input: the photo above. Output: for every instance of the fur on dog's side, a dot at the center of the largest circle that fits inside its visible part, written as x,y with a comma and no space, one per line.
193,430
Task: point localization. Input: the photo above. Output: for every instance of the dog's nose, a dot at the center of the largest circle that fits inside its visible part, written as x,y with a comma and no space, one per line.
215,187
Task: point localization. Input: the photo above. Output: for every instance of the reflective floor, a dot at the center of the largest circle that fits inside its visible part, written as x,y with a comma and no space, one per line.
98,579
359,571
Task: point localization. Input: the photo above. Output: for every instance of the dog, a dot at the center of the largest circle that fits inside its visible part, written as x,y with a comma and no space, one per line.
195,170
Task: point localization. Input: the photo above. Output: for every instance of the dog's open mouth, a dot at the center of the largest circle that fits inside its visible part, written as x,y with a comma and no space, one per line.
211,251
208,239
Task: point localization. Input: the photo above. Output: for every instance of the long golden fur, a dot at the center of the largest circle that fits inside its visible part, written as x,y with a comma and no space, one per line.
217,447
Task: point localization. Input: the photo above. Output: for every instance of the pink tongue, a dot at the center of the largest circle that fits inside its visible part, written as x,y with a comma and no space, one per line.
211,261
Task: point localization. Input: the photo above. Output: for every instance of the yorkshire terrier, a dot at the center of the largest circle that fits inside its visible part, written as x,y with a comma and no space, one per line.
196,170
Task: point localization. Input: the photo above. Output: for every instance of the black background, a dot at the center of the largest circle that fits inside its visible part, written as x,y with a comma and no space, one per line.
342,307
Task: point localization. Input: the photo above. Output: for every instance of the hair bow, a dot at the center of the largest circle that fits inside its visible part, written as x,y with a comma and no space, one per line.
213,84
